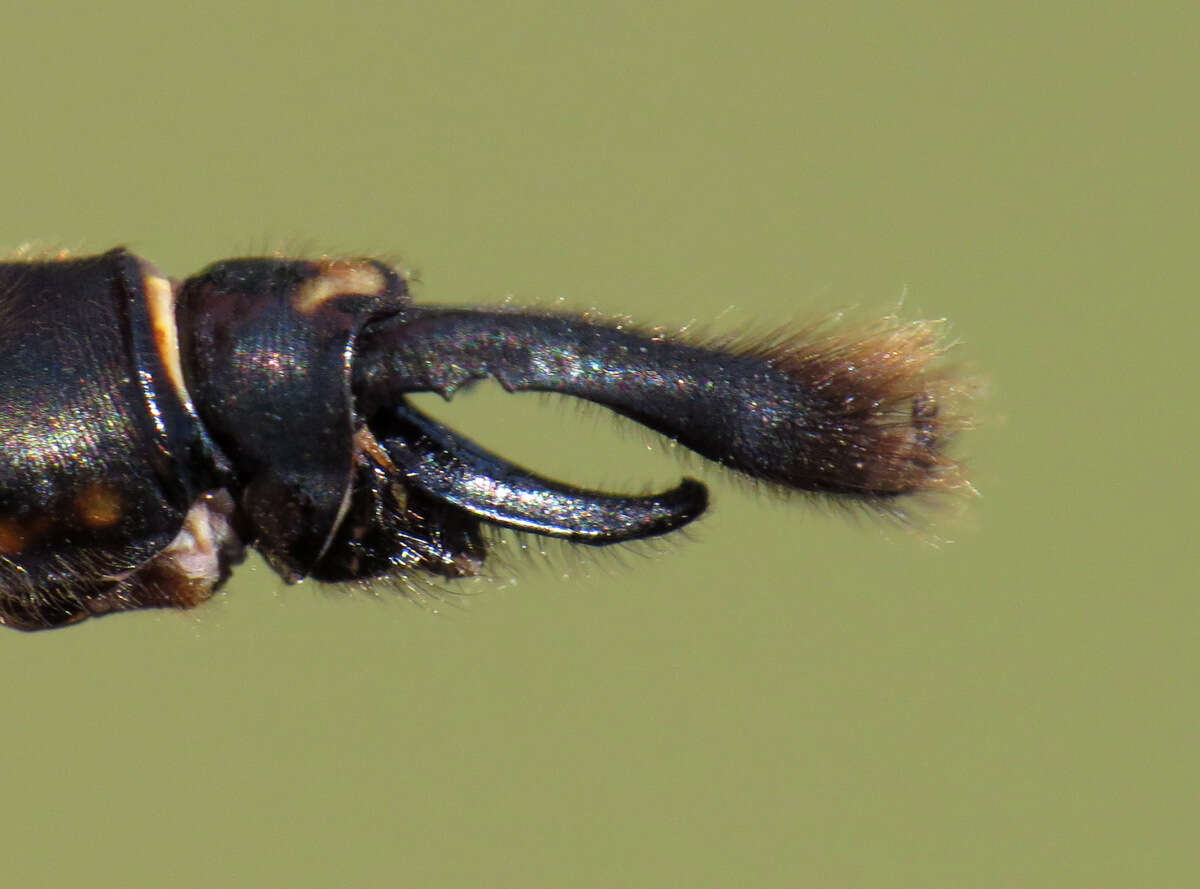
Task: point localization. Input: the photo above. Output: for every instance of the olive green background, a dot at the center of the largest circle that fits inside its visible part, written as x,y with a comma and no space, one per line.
790,696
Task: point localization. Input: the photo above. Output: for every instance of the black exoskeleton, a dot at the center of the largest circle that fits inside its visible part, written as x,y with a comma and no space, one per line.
150,430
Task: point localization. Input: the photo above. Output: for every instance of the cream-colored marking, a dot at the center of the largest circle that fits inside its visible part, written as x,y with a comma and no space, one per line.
196,548
160,302
99,506
184,574
338,277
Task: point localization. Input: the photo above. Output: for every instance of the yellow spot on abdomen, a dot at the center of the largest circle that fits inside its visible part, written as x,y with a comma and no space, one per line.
99,506
13,538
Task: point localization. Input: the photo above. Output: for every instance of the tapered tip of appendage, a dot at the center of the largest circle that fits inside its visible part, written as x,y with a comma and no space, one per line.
880,409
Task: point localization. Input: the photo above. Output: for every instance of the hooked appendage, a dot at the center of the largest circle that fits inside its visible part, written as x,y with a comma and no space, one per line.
150,430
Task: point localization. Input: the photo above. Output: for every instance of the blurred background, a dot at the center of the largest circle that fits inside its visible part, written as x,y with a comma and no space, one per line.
790,696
